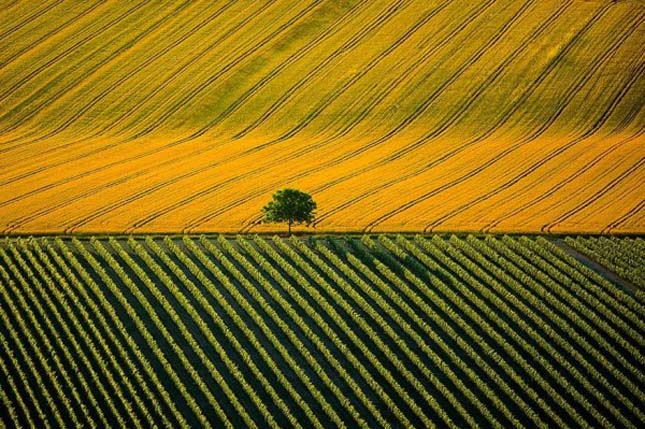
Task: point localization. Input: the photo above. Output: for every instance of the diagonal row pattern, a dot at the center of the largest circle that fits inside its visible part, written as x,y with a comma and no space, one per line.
340,332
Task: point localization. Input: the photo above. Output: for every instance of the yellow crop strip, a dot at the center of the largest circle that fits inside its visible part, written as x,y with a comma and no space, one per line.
397,115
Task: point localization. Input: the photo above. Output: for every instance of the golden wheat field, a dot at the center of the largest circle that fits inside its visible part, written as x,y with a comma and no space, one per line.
396,115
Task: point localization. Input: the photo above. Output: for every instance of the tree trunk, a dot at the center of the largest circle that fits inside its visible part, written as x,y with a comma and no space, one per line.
289,223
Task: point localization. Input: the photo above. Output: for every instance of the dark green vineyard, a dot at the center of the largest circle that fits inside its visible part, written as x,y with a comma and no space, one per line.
625,256
321,332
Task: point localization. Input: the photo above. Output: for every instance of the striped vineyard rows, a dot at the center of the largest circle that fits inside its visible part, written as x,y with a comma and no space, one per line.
380,331
624,257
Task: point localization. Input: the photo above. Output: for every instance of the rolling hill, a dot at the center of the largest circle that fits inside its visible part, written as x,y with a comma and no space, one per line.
397,115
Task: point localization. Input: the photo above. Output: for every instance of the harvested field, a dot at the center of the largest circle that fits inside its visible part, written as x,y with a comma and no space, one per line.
395,115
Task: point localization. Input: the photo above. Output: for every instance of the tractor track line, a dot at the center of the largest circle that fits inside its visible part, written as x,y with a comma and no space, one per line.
88,33
200,170
130,74
379,94
109,185
52,33
114,183
171,79
399,153
525,95
114,54
434,95
30,18
192,61
457,115
326,102
347,129
407,35
158,89
589,185
68,180
68,51
625,217
102,148
334,162
83,175
513,108
595,161
341,133
323,36
345,47
591,199
195,92
605,115
9,5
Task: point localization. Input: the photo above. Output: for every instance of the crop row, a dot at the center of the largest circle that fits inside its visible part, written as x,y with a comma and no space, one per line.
622,256
383,331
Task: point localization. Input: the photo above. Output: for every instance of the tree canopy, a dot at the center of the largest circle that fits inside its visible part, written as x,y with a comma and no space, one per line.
291,206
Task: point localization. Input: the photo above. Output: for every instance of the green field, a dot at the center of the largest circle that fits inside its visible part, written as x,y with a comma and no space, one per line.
322,332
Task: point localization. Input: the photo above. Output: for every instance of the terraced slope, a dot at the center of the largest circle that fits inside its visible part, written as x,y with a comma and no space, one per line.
381,332
397,115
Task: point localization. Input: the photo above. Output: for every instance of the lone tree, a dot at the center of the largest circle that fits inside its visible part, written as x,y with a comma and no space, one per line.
291,206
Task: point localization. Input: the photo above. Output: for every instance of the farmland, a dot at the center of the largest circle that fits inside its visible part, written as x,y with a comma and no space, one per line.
502,116
320,332
475,259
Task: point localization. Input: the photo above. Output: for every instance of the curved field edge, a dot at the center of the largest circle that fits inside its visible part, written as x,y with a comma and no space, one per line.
498,116
338,331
